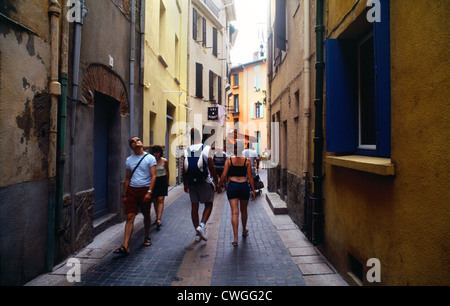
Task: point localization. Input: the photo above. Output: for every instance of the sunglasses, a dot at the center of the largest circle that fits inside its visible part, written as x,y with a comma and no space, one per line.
134,140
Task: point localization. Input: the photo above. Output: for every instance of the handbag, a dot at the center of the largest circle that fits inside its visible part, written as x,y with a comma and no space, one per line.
258,183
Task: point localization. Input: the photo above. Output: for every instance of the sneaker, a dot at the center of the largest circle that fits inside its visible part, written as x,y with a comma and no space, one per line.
197,237
202,232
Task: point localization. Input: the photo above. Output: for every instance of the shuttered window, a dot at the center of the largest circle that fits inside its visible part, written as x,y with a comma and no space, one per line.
194,24
199,80
204,32
219,86
215,41
358,82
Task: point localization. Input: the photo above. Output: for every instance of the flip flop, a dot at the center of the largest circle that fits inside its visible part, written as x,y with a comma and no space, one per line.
235,243
147,242
121,251
245,233
158,225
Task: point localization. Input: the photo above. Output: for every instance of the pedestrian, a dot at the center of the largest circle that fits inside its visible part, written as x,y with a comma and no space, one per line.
137,191
253,156
238,172
198,173
162,183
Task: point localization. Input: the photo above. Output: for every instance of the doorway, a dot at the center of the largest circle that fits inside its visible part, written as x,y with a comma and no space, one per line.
106,153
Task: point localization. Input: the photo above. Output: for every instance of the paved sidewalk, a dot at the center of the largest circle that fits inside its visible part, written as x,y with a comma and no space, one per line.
274,254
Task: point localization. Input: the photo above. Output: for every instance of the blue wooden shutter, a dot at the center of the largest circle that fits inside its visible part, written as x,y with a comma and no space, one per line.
341,103
383,80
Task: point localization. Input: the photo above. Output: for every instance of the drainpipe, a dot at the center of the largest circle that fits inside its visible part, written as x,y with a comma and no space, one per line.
132,59
75,79
55,91
307,89
317,226
62,115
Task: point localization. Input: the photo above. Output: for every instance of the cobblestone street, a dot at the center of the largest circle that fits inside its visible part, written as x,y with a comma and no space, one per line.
274,254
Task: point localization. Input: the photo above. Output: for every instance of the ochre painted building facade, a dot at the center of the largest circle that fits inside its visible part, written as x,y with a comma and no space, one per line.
394,207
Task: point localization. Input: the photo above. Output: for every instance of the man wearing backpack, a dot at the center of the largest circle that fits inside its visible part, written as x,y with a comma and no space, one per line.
198,175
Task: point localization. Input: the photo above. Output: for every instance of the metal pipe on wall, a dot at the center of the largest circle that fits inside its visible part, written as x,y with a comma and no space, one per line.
55,91
317,229
133,122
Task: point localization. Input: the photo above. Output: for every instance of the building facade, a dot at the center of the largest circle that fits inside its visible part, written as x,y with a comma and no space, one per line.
247,107
290,98
375,160
165,76
385,159
209,57
69,77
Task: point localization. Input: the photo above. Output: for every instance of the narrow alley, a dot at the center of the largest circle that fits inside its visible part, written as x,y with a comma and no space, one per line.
274,254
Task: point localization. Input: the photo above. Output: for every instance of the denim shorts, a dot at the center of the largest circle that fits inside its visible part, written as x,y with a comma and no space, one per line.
240,191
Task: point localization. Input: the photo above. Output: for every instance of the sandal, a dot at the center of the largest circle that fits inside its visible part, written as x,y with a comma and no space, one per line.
158,225
147,242
245,233
121,251
235,243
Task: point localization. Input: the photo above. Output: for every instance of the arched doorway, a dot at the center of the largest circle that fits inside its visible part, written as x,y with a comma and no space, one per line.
104,90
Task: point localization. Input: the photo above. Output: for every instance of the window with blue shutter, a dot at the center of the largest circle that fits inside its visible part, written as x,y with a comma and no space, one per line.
358,91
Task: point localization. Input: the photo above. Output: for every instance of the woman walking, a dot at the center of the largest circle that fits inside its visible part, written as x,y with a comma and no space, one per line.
162,183
239,173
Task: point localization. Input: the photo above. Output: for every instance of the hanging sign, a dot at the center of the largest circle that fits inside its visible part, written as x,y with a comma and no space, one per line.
213,113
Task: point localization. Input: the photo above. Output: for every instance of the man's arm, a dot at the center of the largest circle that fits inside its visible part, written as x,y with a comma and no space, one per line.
148,196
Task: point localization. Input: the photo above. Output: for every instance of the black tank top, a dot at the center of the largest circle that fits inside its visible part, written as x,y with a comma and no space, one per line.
238,170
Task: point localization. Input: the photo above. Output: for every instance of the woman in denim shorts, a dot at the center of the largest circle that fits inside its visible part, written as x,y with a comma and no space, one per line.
238,171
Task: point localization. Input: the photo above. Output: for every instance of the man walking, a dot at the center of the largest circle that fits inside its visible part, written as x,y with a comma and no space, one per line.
137,191
198,167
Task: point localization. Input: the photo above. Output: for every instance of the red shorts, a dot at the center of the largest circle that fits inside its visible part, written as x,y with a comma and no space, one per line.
135,200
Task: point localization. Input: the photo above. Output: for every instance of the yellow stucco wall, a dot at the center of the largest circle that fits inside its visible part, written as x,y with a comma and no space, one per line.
403,220
162,94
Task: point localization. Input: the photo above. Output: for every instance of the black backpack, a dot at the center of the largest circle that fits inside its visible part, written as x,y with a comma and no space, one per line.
193,174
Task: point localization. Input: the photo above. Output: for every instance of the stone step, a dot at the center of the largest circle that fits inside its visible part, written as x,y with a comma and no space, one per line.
277,205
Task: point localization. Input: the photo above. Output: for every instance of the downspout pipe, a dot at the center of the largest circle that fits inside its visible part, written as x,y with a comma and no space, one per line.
133,131
75,80
62,116
307,89
317,218
54,11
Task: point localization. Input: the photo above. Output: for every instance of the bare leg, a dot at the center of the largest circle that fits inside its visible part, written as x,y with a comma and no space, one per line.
129,227
160,209
207,212
235,217
194,215
244,216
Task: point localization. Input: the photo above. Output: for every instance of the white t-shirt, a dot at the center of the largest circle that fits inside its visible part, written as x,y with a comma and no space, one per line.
142,176
250,154
205,155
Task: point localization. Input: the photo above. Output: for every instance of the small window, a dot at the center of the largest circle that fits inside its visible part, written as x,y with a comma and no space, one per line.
236,104
236,79
358,90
